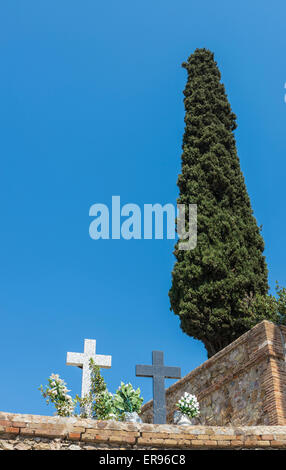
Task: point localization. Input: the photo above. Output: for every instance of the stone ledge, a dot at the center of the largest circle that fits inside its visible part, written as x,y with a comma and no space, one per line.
33,432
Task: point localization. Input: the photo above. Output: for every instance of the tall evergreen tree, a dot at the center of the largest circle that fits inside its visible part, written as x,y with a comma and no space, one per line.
210,283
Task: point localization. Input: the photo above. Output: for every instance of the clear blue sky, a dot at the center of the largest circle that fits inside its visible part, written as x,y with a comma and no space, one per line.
91,106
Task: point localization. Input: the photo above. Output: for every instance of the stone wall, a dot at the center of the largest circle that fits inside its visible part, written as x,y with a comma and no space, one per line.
244,384
30,432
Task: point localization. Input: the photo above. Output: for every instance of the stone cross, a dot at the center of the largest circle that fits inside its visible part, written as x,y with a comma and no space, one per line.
82,360
158,372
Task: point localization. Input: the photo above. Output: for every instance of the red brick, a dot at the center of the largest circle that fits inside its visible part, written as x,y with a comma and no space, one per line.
19,424
5,422
12,430
74,436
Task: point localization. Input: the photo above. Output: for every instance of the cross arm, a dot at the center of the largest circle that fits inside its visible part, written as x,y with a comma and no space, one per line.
172,372
102,361
75,359
144,371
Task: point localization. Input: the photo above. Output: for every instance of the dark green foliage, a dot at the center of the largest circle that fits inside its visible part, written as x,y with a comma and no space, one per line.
98,384
268,307
98,404
211,282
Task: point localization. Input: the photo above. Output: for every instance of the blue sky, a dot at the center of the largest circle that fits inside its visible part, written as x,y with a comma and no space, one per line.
92,106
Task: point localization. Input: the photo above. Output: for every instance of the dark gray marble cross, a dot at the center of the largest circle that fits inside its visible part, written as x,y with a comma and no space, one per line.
158,372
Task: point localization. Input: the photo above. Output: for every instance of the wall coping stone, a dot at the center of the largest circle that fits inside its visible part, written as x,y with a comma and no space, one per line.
23,431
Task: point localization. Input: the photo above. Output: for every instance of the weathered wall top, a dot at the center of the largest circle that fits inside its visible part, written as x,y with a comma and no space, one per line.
31,432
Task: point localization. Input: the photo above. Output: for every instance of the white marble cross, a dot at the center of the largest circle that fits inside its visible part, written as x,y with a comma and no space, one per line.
82,360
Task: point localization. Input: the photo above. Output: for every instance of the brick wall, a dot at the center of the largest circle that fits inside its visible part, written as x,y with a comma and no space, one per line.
30,432
244,384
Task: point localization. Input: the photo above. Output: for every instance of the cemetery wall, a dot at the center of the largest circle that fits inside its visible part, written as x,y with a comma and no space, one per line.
30,432
244,384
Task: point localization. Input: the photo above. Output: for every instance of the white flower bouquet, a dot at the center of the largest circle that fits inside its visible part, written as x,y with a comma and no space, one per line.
188,405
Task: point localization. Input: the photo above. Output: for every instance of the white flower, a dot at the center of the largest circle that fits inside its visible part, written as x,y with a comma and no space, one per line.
188,404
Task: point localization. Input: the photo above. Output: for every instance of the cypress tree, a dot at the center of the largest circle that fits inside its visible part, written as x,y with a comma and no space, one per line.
211,282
